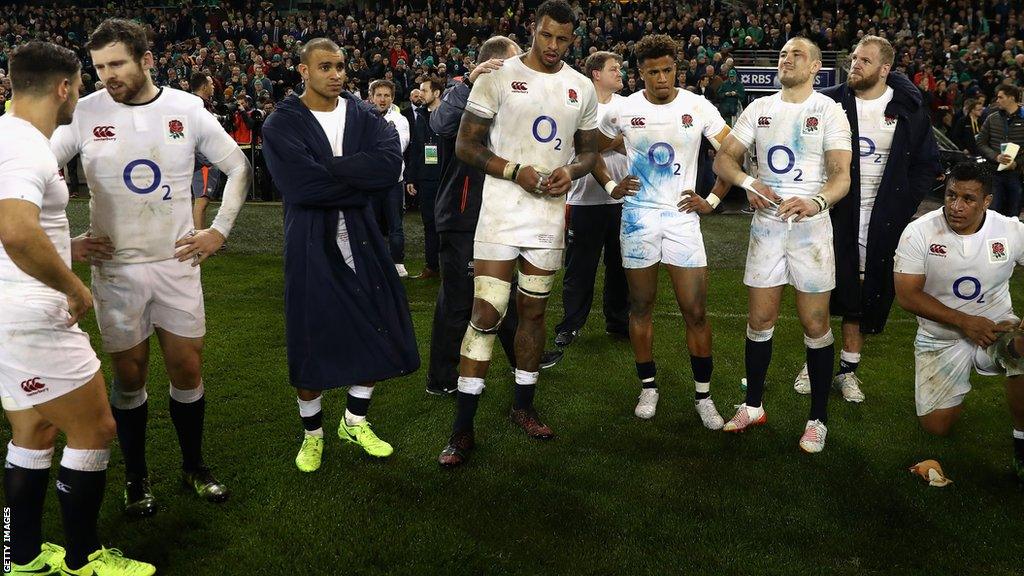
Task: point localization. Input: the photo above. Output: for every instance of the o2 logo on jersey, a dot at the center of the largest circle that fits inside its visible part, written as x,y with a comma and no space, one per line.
134,178
547,124
519,87
788,166
662,155
687,121
810,126
867,148
968,288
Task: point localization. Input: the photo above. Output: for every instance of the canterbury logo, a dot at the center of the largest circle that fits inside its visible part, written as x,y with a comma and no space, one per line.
32,386
103,132
519,86
63,487
938,249
638,122
764,121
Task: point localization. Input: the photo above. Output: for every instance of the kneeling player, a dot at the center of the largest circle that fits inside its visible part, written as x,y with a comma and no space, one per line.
953,268
662,127
50,377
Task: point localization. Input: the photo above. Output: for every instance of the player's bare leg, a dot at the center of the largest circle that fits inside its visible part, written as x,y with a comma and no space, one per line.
184,360
691,289
762,314
492,285
129,403
534,288
643,291
940,422
812,308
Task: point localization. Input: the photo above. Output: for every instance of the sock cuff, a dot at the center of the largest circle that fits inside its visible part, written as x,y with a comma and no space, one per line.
85,460
760,335
822,341
29,459
852,357
127,400
188,396
524,378
1018,434
352,419
309,408
364,392
646,371
469,385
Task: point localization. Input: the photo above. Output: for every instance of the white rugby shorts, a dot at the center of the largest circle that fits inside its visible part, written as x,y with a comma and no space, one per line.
651,235
544,258
133,299
802,256
41,358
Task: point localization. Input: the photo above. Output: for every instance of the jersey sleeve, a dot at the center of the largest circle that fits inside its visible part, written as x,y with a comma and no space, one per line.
23,175
838,135
1018,232
910,253
744,128
212,141
609,121
713,121
485,97
65,142
588,118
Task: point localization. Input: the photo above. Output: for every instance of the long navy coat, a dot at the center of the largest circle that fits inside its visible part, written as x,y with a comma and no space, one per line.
343,327
909,174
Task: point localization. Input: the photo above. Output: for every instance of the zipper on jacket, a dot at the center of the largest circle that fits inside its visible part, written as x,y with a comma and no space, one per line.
465,195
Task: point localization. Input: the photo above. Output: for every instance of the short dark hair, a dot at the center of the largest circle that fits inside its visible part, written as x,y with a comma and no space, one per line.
495,47
654,46
381,83
436,83
318,44
815,49
597,60
1010,90
197,81
557,10
36,65
971,172
134,36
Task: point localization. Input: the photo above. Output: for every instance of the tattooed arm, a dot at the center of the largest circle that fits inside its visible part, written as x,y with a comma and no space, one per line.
471,148
837,172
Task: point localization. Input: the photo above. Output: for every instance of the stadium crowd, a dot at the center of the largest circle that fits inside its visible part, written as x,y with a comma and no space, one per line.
956,52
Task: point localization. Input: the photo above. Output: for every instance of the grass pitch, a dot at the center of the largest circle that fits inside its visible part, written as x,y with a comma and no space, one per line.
610,495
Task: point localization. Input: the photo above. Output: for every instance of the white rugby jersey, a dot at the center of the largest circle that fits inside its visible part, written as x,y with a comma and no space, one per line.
536,116
791,141
586,191
138,162
662,144
876,132
966,273
28,171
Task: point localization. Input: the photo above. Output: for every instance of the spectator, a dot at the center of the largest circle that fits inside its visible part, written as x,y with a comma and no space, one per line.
1006,125
731,96
965,130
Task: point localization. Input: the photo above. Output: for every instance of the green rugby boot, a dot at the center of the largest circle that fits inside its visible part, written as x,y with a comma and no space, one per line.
48,562
362,435
310,454
110,562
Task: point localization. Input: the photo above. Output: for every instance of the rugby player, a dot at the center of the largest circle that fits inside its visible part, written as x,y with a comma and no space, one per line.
662,127
532,127
138,144
802,142
50,377
953,268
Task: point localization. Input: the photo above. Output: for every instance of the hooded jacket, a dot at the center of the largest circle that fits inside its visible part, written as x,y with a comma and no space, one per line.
909,174
343,326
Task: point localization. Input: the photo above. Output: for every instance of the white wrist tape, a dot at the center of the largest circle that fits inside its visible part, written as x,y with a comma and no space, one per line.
748,183
714,200
610,185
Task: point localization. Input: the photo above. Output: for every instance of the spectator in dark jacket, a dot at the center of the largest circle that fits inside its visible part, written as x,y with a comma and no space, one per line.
1006,125
423,172
966,129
